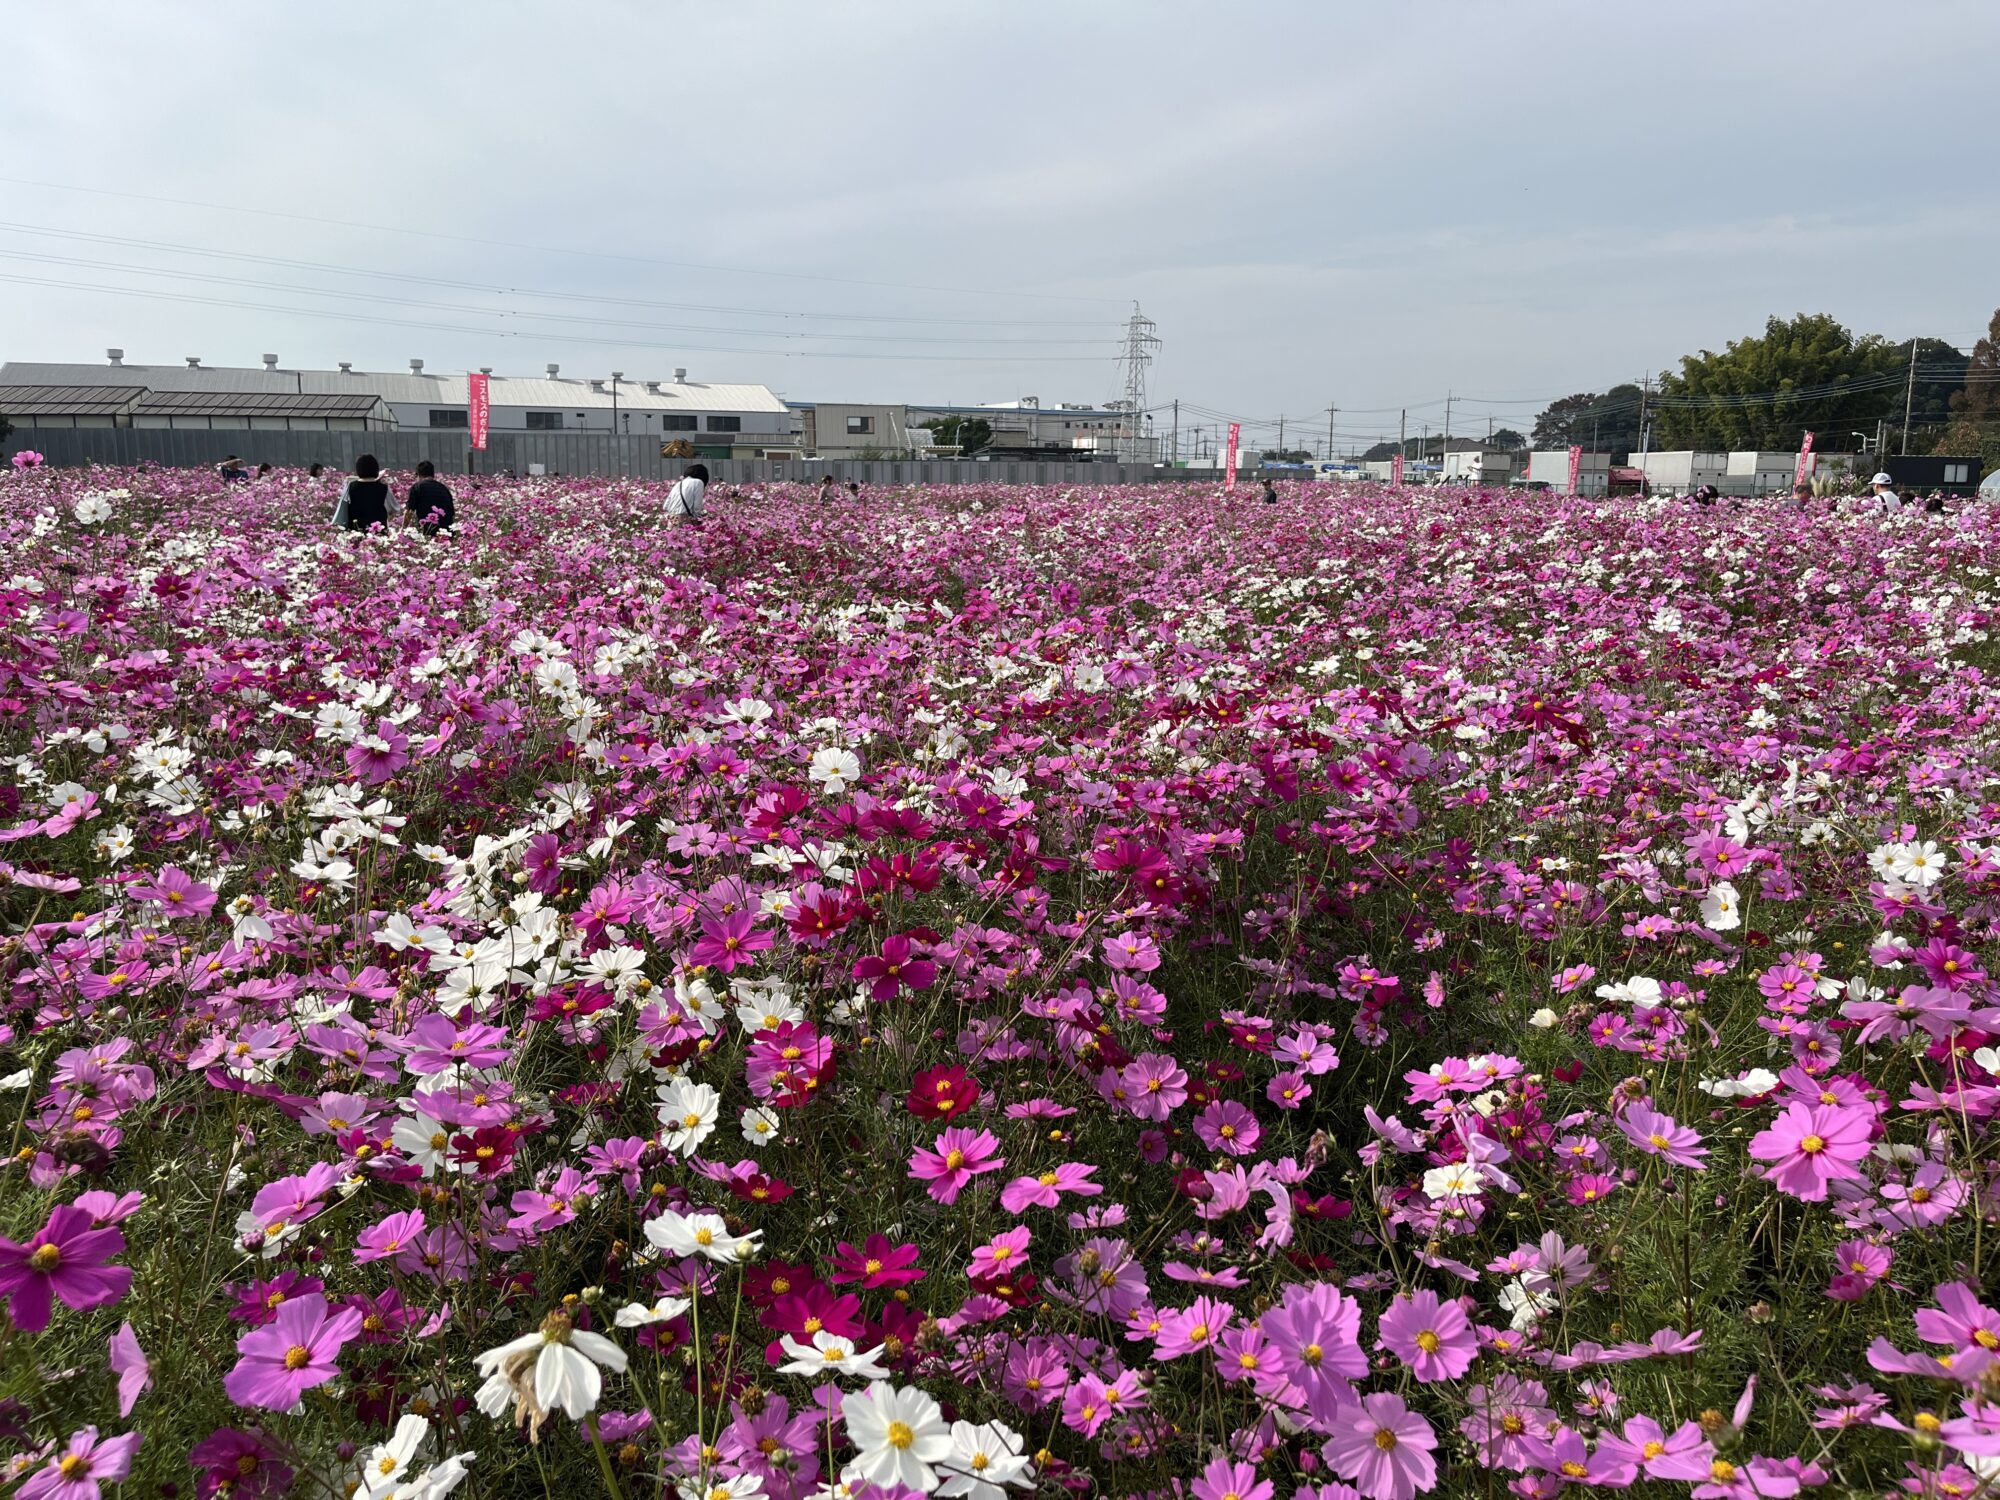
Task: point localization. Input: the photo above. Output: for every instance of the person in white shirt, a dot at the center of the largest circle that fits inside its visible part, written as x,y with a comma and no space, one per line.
684,500
1886,498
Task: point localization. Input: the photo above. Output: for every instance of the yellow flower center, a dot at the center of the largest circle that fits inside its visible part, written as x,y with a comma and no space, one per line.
1926,1422
46,1258
297,1357
72,1467
1429,1342
1312,1354
1811,1144
1652,1451
954,1158
1385,1439
1722,1471
1659,1141
899,1435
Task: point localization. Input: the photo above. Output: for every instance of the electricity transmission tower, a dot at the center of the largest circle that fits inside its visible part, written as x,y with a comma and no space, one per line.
1141,339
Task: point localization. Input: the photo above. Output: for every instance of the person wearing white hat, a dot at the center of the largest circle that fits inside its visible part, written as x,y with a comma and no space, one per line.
1886,498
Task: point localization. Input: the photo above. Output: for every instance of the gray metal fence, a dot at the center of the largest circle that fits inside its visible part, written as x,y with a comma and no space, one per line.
591,453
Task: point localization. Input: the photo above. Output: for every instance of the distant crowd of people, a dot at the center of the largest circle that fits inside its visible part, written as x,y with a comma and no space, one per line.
1880,495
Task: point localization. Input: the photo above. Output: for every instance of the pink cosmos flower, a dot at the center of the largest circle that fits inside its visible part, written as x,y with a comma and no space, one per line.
1132,952
278,1364
1192,1330
878,1263
1683,1455
1809,1146
84,1464
64,1262
1046,1190
178,893
1661,1135
1384,1447
895,969
1231,1479
391,1238
1859,1266
1288,1090
1961,1320
1317,1330
1433,1337
958,1156
1155,1085
1001,1257
129,1364
727,942
1228,1127
374,758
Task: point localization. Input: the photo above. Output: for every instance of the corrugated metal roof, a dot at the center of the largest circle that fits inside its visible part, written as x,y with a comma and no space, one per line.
67,400
404,389
257,404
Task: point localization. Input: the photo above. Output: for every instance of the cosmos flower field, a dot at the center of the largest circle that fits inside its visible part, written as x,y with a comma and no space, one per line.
995,992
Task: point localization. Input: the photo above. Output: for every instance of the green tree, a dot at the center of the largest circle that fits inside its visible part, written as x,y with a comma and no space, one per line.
970,433
1507,439
1808,373
1602,424
1558,420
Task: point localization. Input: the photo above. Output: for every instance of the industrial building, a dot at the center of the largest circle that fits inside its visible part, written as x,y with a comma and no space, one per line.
717,421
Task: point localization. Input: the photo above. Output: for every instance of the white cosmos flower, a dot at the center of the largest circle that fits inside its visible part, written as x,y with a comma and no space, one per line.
92,508
983,1459
830,1354
1638,990
1921,865
1749,1086
760,1126
1459,1180
553,1369
834,770
424,1141
701,1234
1542,1019
383,1468
715,1487
1721,908
901,1433
1988,1058
639,1315
688,1112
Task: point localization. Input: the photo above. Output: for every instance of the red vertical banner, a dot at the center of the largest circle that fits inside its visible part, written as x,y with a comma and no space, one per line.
1396,468
1575,468
479,408
1805,461
1235,433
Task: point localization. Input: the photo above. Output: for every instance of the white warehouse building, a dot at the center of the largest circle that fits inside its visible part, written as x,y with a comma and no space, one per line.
718,421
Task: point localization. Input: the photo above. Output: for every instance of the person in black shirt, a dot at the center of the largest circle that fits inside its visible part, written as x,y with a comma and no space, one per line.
365,499
430,504
1270,493
231,468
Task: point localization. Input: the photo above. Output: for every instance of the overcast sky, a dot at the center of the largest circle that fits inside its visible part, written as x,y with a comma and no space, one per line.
1366,205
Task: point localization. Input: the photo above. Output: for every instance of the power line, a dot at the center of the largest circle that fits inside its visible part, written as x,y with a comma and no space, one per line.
466,239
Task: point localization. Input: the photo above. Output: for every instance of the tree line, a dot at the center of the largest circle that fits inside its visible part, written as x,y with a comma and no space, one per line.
1805,374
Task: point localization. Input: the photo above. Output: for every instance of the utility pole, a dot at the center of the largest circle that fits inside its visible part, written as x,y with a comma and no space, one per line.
1909,396
1329,432
1645,445
1402,429
1447,434
1177,432
1281,435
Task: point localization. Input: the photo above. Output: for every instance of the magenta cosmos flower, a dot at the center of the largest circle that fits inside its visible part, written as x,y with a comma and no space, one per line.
1228,1127
296,1352
728,941
1661,1135
958,1156
1384,1447
895,969
65,1262
1810,1145
84,1464
1231,1479
178,893
1430,1335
